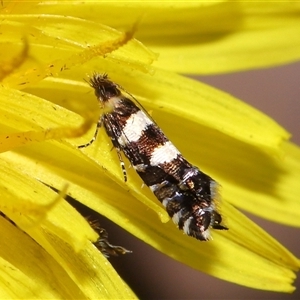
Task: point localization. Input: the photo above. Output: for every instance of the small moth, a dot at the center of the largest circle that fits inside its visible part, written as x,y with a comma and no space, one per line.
188,194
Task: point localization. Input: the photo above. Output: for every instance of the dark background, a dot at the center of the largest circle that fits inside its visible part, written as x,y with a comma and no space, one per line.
153,275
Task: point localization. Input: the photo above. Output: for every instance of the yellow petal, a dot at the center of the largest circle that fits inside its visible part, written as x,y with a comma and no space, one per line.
43,33
228,37
202,36
27,272
57,258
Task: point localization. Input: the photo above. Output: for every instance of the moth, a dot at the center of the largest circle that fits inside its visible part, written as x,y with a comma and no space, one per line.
188,194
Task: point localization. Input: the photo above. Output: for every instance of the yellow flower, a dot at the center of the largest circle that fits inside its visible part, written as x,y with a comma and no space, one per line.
48,47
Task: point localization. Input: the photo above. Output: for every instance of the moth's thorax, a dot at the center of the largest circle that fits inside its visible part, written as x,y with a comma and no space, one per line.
110,104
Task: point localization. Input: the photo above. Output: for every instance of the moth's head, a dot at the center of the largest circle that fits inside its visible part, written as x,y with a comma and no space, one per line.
104,88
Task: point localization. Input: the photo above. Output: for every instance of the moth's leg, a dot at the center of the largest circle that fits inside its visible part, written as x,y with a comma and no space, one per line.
99,124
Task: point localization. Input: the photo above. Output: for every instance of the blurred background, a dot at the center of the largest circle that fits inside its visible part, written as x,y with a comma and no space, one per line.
153,275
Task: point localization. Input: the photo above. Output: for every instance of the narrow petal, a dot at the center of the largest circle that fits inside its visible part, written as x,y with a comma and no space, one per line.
57,259
27,272
43,33
202,37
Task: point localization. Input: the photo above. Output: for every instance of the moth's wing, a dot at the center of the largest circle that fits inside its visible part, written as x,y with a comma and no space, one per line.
138,104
